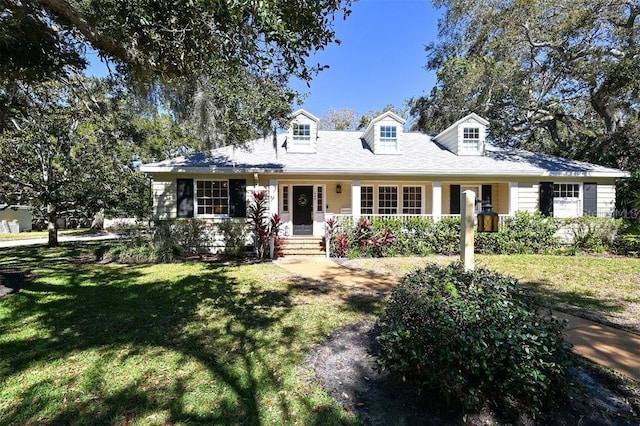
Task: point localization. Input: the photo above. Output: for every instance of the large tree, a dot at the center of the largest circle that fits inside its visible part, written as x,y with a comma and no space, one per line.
232,58
557,76
76,153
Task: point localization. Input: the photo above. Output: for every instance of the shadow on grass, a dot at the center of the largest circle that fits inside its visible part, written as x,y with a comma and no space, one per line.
574,302
238,330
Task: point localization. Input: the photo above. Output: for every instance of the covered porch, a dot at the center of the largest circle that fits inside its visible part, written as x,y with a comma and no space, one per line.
304,205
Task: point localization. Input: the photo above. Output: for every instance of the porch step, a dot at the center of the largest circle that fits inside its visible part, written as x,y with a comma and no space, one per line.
302,246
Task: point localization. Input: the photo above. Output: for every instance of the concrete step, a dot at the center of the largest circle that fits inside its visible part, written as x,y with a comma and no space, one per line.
302,246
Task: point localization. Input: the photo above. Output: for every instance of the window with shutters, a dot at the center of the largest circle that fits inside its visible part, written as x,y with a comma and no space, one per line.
212,198
567,200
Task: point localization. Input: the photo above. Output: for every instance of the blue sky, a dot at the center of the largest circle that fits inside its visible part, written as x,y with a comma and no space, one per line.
379,62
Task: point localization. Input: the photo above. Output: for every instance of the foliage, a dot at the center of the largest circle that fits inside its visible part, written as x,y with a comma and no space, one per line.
593,234
228,63
234,235
77,150
476,338
627,240
338,119
628,197
257,221
553,76
522,233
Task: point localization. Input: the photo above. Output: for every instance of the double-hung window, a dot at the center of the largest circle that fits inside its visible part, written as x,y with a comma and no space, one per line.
412,200
567,201
302,133
387,199
388,138
471,139
366,200
212,197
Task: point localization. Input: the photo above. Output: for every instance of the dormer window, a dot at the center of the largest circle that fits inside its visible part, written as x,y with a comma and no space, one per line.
302,133
471,139
388,138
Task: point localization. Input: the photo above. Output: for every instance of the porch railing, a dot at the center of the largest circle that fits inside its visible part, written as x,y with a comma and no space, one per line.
403,217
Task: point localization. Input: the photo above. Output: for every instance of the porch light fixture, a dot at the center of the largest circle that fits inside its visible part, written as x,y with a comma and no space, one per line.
488,220
338,189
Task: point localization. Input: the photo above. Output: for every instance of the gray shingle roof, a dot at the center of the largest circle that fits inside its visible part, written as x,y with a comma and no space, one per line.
340,152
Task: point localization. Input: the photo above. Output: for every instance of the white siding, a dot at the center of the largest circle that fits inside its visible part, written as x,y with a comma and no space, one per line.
449,140
15,220
528,197
606,199
297,146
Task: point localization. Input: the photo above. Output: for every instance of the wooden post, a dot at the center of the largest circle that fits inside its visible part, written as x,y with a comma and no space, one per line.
467,216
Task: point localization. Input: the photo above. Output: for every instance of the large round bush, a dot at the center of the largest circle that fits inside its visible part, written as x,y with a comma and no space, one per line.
475,338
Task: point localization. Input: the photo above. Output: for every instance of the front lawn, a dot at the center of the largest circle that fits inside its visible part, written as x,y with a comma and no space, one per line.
191,343
605,289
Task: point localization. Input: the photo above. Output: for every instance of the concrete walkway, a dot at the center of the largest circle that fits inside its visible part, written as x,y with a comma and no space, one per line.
611,347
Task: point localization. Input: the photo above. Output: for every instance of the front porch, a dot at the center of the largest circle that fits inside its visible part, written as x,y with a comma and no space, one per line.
304,206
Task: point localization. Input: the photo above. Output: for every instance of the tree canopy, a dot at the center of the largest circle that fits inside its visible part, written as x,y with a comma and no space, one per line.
239,55
77,152
557,76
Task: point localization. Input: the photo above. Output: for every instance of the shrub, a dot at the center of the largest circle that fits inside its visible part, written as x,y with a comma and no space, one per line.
234,234
627,240
594,234
474,336
523,233
191,235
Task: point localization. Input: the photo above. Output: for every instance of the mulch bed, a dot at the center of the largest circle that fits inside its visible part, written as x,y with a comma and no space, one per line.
12,281
345,366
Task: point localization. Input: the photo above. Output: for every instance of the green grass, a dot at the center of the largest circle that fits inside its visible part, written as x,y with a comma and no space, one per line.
190,343
44,234
605,289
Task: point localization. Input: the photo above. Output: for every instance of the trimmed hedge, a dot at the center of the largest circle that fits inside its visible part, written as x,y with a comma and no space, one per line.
477,339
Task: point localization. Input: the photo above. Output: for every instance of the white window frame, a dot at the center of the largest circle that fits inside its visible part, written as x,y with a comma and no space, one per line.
578,201
322,189
196,204
380,198
301,133
373,199
469,143
285,208
388,138
421,187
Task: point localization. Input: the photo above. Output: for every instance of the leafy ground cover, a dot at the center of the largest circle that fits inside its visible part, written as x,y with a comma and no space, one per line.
602,288
196,343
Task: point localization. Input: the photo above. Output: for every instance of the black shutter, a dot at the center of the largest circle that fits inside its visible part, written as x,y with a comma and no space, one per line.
590,199
185,197
237,198
454,202
486,193
546,198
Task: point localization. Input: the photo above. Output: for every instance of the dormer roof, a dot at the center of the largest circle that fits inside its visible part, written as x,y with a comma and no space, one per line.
388,114
473,116
306,114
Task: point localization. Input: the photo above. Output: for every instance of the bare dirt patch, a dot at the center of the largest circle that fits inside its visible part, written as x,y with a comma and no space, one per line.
346,367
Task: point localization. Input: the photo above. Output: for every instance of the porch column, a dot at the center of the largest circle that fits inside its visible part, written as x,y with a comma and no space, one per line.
436,201
355,199
513,198
273,196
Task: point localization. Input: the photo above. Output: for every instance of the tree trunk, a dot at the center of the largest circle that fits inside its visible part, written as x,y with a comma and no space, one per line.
52,216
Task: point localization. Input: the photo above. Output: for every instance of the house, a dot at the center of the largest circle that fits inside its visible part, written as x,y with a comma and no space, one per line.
311,174
15,218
